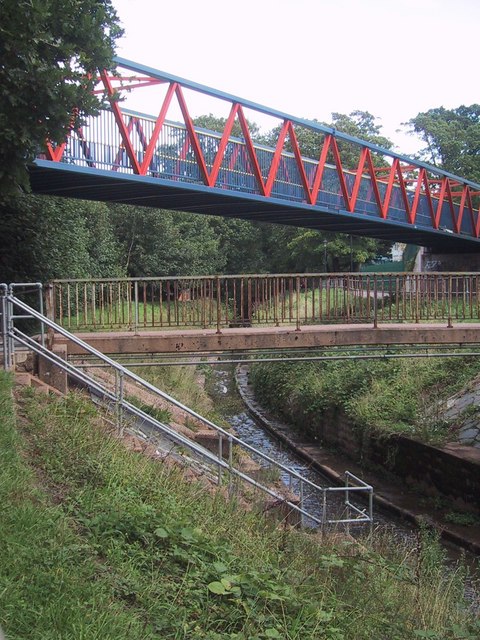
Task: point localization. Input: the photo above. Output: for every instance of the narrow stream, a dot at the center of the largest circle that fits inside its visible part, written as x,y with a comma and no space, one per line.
228,402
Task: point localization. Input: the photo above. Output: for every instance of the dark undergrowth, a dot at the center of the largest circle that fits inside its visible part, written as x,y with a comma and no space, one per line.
99,542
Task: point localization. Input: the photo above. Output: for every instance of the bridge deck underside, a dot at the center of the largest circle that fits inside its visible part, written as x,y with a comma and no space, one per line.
207,340
89,184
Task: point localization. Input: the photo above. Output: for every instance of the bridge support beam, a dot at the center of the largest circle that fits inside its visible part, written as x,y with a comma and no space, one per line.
207,340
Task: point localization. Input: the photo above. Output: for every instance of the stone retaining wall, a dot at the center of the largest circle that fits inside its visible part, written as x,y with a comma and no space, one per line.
434,470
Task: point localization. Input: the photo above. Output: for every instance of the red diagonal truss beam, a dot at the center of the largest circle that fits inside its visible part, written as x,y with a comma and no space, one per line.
435,192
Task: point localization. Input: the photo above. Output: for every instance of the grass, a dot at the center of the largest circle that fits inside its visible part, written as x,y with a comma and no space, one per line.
101,543
162,415
184,384
384,397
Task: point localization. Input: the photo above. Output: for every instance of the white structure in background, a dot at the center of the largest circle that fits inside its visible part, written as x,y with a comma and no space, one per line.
397,251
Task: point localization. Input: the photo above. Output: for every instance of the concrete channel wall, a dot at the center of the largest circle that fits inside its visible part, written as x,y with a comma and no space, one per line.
450,472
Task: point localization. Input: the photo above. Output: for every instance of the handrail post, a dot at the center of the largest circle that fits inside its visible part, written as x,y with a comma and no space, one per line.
40,302
4,328
450,282
219,305
301,502
135,309
220,458
417,297
119,395
276,298
50,311
324,510
230,465
370,509
50,301
10,323
375,302
298,303
347,502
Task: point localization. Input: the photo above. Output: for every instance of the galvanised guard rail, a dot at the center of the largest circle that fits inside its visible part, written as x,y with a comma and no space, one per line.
225,460
277,299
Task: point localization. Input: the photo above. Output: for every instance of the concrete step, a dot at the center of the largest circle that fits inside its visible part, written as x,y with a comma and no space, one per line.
23,379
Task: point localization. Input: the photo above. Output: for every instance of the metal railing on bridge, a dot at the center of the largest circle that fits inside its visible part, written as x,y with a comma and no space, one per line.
99,145
263,300
334,173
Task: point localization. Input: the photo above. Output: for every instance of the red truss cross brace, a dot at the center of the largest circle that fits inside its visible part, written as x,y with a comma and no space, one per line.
386,177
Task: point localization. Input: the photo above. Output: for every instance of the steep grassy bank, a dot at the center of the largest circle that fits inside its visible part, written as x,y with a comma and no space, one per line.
101,543
384,397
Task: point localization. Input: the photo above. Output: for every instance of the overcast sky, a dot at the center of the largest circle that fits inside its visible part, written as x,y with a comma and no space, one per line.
310,58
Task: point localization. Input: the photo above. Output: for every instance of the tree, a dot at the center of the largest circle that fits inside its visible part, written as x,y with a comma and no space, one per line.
158,242
50,52
452,139
306,249
315,251
45,238
215,123
242,244
359,124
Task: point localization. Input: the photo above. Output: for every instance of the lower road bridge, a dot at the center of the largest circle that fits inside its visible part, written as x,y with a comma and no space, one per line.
260,312
266,338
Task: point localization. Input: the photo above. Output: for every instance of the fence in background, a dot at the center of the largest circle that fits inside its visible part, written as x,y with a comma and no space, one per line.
278,299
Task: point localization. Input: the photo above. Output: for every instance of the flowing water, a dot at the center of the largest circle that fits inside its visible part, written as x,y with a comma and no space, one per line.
228,402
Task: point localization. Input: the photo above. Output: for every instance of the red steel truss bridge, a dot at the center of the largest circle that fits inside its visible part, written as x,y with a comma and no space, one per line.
350,186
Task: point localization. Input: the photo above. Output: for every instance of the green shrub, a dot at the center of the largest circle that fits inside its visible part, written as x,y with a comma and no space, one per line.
383,396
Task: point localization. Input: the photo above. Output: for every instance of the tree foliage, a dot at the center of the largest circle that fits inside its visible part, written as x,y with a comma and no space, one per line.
215,123
358,124
309,250
157,242
45,238
452,139
50,51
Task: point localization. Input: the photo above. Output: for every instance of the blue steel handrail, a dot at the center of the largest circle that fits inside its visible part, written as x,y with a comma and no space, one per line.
167,163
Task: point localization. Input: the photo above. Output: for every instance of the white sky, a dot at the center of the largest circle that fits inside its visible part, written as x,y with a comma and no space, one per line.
309,58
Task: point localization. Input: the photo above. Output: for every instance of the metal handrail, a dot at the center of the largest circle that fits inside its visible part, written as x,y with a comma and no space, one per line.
4,328
221,301
223,435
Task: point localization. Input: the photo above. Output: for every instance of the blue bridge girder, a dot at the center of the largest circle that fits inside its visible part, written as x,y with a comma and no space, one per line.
128,157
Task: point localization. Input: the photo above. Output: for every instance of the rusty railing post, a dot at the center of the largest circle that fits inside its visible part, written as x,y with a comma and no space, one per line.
219,305
50,312
298,303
